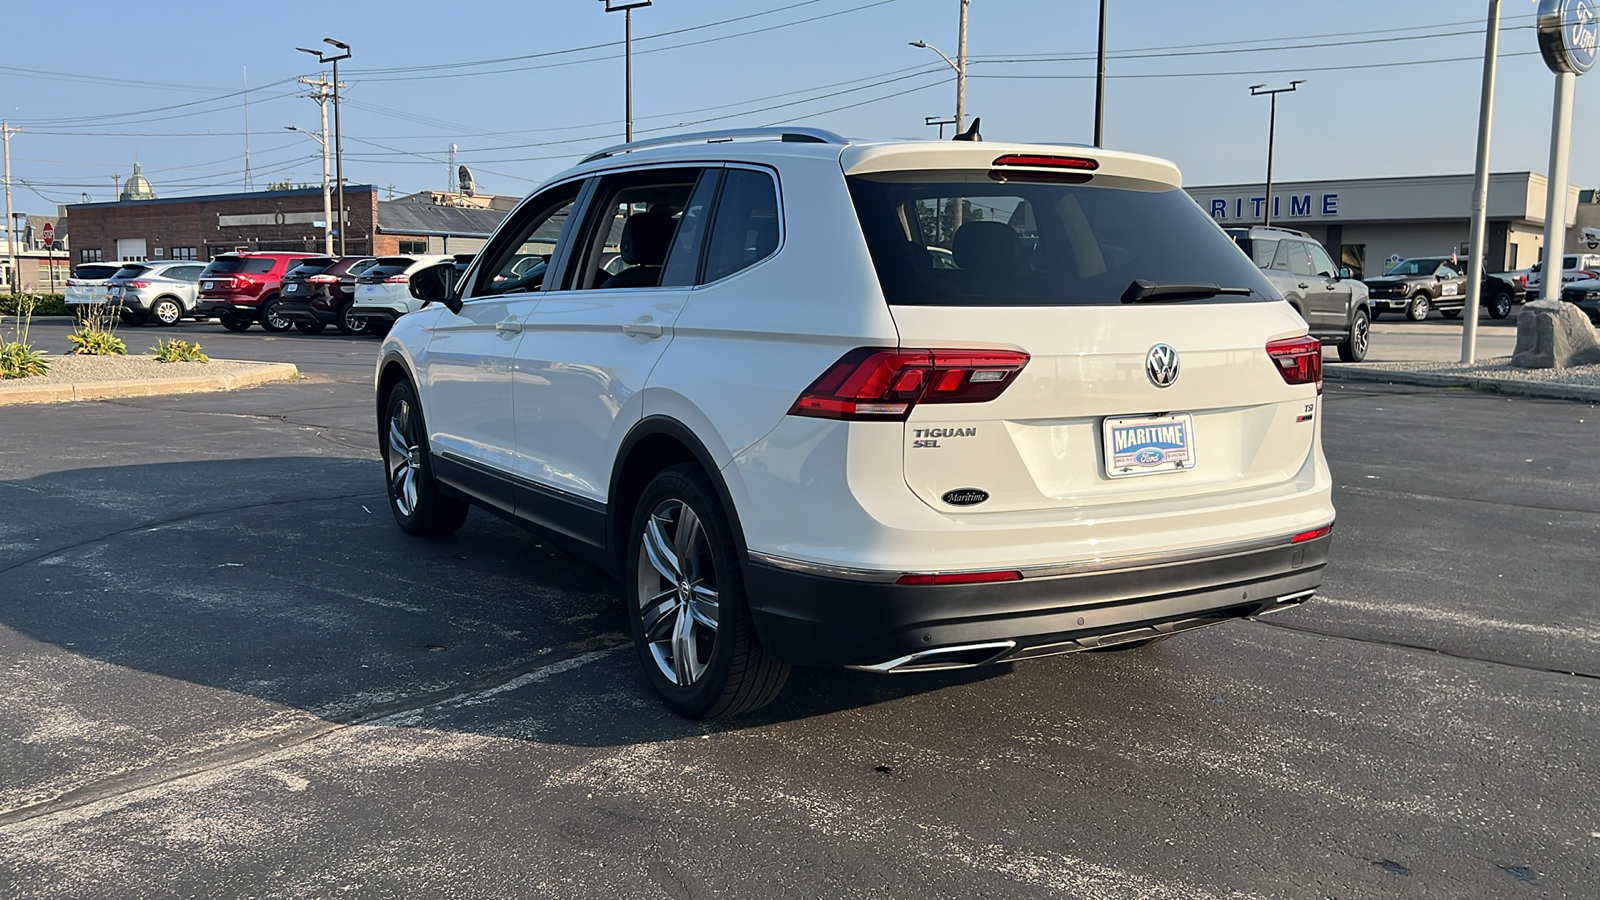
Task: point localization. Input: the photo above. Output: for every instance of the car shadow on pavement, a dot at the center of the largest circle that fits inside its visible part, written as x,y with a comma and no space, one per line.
285,579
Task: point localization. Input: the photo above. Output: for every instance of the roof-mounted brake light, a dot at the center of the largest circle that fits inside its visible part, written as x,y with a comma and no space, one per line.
1043,167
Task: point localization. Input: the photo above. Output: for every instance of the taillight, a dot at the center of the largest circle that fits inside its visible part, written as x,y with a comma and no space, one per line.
875,383
136,284
397,279
1299,360
962,578
321,279
1313,534
238,281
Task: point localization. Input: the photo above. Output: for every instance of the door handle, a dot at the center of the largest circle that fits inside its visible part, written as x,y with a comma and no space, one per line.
1303,285
510,326
643,329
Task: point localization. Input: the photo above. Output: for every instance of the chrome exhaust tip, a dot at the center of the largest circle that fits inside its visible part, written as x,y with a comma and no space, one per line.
940,659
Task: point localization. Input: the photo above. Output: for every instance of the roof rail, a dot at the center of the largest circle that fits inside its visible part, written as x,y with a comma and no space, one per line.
787,135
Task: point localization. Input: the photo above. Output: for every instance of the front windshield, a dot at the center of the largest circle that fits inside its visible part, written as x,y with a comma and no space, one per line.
1415,267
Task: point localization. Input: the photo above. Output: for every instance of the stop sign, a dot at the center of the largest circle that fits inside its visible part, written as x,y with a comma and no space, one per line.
48,232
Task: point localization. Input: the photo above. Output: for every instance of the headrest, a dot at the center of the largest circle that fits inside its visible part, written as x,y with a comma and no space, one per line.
987,247
646,237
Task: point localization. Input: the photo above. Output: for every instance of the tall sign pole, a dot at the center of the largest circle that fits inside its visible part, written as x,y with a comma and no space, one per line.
1480,191
1257,90
1100,83
1569,37
6,131
626,7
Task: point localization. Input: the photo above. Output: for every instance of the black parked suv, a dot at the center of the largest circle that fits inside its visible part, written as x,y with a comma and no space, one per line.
320,291
1332,303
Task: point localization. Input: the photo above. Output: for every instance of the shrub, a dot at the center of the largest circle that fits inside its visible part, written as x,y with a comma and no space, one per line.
43,304
18,359
97,332
178,351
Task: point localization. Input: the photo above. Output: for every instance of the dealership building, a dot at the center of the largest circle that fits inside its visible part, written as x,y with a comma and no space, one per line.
1368,223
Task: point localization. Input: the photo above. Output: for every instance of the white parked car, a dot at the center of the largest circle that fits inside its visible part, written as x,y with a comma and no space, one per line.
162,291
86,286
897,406
382,291
1574,267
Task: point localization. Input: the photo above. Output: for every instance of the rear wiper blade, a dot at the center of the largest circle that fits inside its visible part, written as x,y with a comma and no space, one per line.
1142,291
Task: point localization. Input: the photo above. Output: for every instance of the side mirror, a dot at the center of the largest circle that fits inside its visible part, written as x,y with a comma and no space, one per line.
1344,272
435,284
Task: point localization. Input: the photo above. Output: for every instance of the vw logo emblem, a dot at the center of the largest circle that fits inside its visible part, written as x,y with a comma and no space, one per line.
1161,364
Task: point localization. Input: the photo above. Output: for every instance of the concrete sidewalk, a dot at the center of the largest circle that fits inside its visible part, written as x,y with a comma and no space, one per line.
1497,375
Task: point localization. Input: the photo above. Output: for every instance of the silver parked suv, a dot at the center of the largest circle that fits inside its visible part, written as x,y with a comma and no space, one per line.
163,292
1334,304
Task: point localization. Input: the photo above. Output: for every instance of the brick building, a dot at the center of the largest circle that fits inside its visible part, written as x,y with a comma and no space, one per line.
202,227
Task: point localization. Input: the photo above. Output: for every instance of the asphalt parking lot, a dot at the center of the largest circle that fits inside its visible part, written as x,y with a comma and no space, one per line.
228,674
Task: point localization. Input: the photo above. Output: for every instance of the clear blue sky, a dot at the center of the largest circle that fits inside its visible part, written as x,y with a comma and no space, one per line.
1180,72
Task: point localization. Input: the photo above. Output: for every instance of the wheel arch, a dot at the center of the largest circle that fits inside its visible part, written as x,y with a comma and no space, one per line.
654,444
392,370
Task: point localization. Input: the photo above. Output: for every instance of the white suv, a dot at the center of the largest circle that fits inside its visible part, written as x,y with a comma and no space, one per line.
897,406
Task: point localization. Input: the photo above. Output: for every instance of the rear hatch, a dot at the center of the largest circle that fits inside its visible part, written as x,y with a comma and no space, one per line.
87,283
386,284
304,281
229,274
1170,397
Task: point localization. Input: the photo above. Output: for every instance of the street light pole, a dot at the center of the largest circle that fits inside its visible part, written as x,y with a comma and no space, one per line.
1100,83
1480,191
338,135
627,8
327,186
1257,90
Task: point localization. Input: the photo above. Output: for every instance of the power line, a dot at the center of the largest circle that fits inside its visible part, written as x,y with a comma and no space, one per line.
1254,72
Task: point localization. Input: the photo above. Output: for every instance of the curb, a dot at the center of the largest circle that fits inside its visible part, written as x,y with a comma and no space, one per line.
1543,389
111,390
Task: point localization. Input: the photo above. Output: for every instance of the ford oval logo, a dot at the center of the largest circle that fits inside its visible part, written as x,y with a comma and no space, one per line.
965,496
1569,34
1149,456
1161,364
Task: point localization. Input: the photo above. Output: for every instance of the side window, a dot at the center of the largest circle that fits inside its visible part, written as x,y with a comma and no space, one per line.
631,227
1280,258
1322,262
683,263
360,267
746,228
1263,251
1299,259
1448,271
520,256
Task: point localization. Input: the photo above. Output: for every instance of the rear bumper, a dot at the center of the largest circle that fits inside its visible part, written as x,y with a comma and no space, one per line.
299,311
227,304
814,618
381,314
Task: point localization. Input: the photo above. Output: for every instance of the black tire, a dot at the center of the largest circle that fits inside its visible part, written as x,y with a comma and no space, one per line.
1354,347
166,312
1417,309
350,325
418,506
1450,313
735,675
235,323
1500,305
267,315
310,327
132,319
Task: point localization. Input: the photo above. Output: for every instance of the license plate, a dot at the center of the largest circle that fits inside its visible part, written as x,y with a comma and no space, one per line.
1148,445
209,285
290,288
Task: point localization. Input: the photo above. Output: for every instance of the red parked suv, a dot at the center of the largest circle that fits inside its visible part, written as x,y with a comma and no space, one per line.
240,288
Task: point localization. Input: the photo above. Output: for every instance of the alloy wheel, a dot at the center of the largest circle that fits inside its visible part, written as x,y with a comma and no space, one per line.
1359,335
167,312
678,600
352,324
404,458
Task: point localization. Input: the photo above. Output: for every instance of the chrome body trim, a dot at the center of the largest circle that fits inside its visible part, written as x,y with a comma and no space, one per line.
918,664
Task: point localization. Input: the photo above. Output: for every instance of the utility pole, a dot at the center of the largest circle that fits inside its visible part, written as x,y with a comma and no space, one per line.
626,7
1100,83
247,130
321,96
6,131
1257,90
960,65
338,134
1480,191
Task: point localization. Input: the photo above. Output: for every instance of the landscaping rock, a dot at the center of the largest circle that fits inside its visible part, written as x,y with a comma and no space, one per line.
1553,334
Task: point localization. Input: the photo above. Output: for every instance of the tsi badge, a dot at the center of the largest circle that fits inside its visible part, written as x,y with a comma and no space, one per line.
1161,364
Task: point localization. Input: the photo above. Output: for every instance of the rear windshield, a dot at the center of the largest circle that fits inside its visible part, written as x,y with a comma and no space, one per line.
131,271
386,266
309,267
234,265
1039,244
95,272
